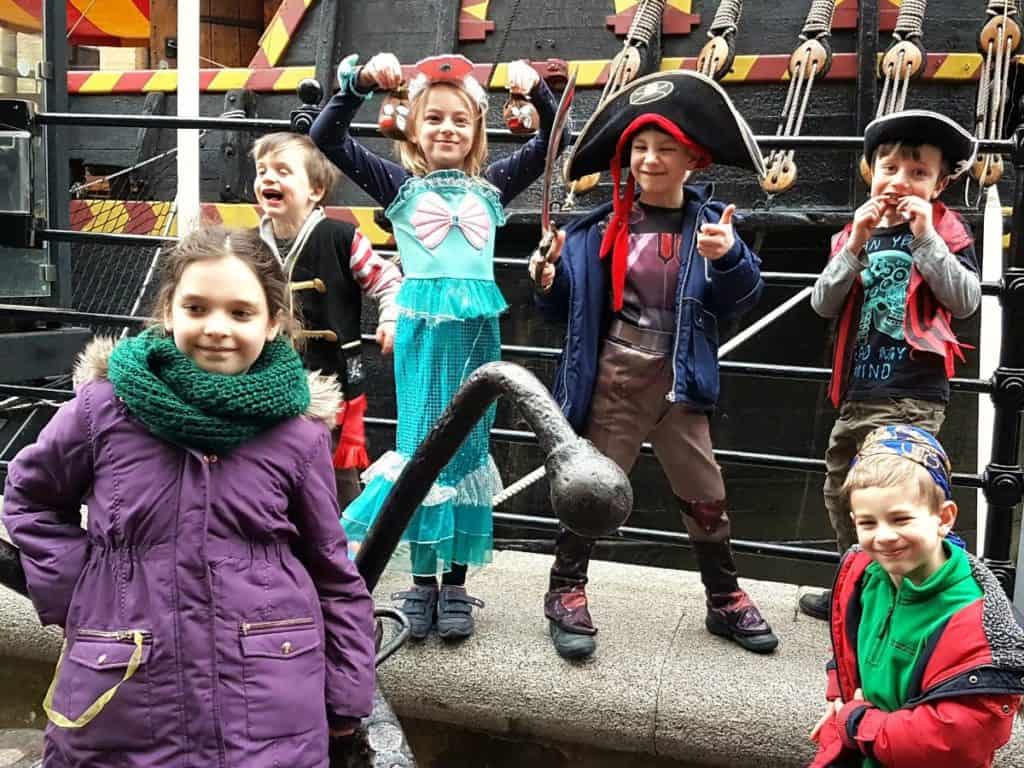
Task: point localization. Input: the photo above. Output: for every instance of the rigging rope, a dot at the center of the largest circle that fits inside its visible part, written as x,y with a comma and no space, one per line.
717,55
811,60
997,41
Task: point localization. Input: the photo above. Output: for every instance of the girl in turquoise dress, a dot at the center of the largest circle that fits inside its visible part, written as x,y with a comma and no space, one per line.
445,207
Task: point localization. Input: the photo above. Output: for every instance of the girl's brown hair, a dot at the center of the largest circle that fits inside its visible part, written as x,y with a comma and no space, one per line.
213,243
411,155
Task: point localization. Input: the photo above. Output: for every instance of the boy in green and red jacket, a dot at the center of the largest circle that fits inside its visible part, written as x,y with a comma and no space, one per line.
928,666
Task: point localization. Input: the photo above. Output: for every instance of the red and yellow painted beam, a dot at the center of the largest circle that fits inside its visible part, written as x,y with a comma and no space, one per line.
150,218
90,22
592,73
279,33
473,22
677,18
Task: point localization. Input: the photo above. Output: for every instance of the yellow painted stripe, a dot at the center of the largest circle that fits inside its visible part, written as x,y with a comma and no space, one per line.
292,76
237,214
588,71
275,40
107,217
229,79
308,3
14,15
100,82
364,215
741,66
622,6
958,66
120,18
681,5
499,76
165,80
478,10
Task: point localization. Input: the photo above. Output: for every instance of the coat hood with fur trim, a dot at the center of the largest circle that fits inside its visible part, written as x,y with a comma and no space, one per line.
324,390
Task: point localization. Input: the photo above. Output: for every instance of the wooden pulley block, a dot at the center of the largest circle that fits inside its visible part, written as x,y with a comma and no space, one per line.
808,54
626,64
987,169
394,114
781,174
990,33
520,114
583,185
904,59
716,57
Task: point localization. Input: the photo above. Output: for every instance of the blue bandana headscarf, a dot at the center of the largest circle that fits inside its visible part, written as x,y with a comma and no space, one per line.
919,446
913,443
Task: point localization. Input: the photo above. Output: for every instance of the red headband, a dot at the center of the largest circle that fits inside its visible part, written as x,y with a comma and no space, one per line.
616,237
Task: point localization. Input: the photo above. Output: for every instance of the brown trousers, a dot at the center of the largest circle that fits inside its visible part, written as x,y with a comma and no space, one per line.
629,405
856,419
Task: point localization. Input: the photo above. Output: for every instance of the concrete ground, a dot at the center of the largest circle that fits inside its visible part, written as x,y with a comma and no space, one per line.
660,684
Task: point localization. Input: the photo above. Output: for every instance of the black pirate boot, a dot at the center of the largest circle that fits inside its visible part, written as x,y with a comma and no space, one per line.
565,604
731,612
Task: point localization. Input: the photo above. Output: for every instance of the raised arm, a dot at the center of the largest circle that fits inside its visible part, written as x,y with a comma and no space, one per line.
347,606
378,177
516,172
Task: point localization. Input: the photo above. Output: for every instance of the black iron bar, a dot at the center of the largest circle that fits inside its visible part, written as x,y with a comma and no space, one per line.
1004,476
741,458
363,130
103,238
653,535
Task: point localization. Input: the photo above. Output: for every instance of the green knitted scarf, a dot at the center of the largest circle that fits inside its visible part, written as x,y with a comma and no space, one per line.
211,412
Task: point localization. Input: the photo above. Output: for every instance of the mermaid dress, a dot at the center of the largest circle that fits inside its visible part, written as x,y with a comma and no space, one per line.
448,307
444,225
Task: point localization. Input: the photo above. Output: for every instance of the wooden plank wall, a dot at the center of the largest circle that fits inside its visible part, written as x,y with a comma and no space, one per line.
231,42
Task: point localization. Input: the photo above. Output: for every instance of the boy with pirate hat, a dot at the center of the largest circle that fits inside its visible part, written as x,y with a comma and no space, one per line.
644,282
898,274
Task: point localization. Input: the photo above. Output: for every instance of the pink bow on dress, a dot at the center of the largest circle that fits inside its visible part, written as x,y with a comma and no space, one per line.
433,219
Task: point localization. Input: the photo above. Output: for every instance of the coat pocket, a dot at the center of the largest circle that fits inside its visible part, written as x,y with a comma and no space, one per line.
283,668
100,694
704,356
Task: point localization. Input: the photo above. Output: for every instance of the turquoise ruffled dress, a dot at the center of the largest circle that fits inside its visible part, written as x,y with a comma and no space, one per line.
448,307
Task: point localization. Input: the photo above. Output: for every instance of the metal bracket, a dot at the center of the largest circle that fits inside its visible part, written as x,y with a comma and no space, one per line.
1005,573
48,273
1008,389
1003,485
44,70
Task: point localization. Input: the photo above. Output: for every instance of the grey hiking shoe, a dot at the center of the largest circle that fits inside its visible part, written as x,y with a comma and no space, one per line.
419,604
816,605
455,612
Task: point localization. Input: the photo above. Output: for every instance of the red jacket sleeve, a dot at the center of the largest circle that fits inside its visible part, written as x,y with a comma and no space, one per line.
952,733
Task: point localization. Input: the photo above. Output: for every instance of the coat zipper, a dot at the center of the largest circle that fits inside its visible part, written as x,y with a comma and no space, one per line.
121,635
251,627
671,396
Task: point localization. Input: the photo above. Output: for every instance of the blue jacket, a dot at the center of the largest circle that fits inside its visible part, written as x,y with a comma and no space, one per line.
707,291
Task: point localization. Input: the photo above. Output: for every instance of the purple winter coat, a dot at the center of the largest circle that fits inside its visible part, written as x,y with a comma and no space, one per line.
257,627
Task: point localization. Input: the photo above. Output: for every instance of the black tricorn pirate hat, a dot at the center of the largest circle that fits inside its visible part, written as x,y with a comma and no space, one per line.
923,126
696,104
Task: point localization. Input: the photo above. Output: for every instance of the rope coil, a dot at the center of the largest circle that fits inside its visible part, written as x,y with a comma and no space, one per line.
819,19
727,18
998,39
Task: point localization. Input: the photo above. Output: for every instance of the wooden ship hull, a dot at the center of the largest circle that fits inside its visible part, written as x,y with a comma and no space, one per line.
258,52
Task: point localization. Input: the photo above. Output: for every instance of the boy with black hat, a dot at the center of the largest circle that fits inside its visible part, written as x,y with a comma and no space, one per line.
897,275
643,291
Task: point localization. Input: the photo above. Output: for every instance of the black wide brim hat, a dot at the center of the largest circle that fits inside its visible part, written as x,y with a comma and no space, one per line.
696,104
922,126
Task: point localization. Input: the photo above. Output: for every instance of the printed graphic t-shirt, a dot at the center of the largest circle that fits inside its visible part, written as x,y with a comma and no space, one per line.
652,272
884,365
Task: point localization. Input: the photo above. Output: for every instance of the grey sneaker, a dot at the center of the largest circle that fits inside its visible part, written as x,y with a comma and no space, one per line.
455,612
419,604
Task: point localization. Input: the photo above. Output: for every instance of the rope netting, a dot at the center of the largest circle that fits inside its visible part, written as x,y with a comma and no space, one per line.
111,279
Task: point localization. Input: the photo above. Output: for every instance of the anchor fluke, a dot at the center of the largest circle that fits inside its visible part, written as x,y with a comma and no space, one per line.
590,494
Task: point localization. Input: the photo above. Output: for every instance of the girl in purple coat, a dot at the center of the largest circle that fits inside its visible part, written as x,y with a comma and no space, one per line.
211,614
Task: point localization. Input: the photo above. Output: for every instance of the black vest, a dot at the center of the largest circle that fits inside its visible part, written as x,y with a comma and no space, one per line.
325,255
